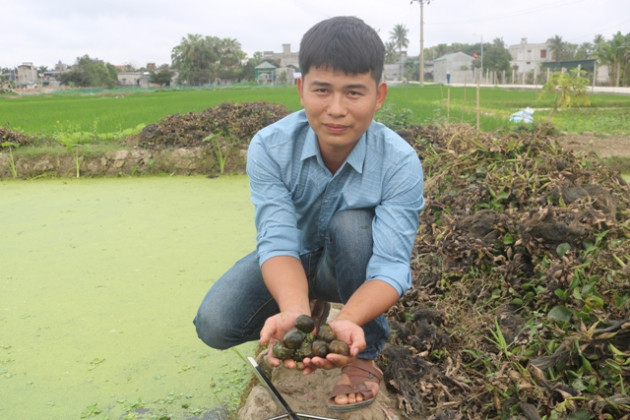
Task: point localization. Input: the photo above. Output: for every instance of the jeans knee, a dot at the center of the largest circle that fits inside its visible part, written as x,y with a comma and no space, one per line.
352,227
211,332
354,220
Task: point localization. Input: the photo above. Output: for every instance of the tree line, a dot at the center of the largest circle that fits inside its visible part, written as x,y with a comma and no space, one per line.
198,60
614,52
201,60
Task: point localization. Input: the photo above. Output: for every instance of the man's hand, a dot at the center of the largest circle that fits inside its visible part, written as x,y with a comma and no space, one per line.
273,330
346,331
286,281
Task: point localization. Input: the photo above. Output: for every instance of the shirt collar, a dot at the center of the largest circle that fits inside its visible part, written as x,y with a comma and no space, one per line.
355,159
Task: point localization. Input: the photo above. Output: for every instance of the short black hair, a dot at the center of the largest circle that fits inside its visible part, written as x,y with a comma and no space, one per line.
343,43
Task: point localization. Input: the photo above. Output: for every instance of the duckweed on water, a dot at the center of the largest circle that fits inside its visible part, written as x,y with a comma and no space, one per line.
99,283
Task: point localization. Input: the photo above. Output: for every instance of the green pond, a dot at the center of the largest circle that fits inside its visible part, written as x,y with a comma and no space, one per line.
99,282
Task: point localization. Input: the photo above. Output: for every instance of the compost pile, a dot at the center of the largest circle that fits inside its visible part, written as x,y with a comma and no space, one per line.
521,298
234,123
13,138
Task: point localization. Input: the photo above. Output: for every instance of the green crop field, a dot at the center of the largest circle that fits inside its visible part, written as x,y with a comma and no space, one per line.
114,114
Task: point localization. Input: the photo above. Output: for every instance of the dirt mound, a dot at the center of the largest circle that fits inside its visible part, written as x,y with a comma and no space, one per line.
521,297
14,138
235,122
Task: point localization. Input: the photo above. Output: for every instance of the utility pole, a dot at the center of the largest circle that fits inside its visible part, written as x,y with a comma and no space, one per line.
481,59
421,56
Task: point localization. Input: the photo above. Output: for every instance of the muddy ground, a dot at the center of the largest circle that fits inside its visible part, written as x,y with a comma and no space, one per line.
603,146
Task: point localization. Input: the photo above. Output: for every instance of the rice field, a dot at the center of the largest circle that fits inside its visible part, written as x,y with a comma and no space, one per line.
110,113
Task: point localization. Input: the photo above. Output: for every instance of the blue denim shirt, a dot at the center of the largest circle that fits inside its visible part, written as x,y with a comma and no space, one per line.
295,196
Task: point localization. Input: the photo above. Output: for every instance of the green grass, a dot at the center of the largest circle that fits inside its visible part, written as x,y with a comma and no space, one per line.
48,115
111,113
607,114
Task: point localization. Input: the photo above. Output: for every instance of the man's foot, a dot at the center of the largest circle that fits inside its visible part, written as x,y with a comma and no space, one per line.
358,386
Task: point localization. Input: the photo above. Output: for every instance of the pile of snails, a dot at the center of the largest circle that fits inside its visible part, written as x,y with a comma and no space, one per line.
299,342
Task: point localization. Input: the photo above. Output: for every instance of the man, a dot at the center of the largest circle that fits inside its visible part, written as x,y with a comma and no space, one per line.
336,198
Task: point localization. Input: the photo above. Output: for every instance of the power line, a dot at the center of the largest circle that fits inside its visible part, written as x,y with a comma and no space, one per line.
508,15
592,34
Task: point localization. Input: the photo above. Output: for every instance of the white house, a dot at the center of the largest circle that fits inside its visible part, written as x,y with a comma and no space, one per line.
459,65
26,75
286,58
528,57
134,78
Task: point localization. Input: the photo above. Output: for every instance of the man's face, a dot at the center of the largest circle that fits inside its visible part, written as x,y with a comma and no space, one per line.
339,107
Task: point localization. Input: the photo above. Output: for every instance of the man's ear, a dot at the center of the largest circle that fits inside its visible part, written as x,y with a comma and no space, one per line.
381,94
300,88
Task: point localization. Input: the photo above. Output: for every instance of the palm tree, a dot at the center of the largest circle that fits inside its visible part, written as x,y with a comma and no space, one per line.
583,51
398,36
556,45
598,38
616,54
194,58
391,55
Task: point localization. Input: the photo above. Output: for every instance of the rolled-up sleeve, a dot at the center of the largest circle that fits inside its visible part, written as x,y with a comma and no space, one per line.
396,223
274,212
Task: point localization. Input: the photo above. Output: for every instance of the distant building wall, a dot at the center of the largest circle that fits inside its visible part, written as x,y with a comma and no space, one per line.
26,75
391,72
459,65
285,76
528,57
133,78
286,58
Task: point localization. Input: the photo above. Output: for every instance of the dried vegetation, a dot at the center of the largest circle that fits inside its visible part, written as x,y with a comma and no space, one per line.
236,123
13,138
521,297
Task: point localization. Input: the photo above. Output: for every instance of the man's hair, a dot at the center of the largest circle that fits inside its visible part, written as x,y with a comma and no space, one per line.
343,43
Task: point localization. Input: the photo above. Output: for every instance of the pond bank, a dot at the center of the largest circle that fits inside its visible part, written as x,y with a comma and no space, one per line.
121,162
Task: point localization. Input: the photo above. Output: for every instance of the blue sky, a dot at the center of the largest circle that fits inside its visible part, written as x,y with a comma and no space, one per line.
142,31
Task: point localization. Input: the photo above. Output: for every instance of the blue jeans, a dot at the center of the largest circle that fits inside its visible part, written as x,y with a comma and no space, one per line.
237,305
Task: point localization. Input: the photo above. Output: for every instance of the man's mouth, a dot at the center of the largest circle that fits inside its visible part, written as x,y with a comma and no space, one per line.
336,128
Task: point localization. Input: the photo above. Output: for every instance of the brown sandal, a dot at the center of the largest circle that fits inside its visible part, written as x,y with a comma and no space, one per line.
359,372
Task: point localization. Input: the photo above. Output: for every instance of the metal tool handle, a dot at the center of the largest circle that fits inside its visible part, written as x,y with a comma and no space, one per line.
278,397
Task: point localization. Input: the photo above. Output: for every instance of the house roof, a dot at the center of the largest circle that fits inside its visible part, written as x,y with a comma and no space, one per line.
447,57
570,64
265,65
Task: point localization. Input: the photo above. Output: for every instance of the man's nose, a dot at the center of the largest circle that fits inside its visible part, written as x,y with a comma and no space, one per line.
337,105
